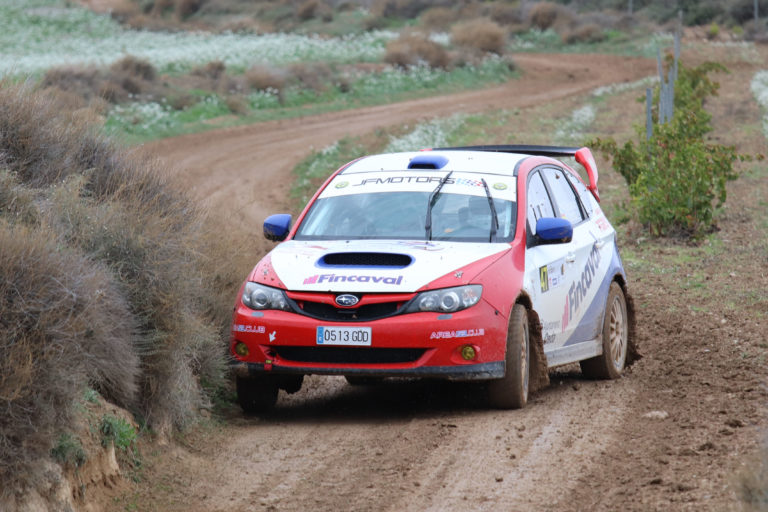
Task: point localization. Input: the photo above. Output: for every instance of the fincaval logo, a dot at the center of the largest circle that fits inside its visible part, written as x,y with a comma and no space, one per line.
353,278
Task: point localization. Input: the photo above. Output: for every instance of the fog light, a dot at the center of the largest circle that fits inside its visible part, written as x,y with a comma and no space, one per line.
468,352
241,349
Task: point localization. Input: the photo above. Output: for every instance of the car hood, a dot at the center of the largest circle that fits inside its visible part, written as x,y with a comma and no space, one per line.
372,266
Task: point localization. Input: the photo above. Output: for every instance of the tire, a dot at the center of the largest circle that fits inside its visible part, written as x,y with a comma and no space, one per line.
511,391
357,380
256,394
610,365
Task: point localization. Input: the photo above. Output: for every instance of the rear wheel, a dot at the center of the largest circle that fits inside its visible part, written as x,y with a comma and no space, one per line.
511,391
256,394
610,364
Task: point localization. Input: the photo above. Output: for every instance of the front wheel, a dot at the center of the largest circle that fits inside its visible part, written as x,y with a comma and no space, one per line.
511,391
256,394
610,364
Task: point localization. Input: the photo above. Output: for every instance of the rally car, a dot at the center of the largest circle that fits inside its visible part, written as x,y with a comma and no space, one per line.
466,263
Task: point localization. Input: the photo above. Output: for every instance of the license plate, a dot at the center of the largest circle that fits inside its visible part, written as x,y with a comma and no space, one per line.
352,336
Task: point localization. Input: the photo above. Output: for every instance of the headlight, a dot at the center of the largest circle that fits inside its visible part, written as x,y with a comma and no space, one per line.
257,296
447,300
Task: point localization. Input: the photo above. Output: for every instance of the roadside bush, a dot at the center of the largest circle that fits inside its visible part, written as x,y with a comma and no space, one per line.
262,78
480,34
411,49
588,33
104,281
544,15
307,10
63,324
676,178
506,14
404,9
135,67
438,18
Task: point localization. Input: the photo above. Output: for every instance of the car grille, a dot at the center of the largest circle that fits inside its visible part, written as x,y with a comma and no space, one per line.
349,355
361,314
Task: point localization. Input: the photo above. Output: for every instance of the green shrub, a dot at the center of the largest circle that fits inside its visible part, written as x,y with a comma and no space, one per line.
117,431
68,451
677,178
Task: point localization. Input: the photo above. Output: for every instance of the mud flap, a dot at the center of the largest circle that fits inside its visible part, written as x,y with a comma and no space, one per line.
633,348
539,376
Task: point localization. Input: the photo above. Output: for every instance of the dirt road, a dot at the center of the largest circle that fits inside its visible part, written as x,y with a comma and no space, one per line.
671,435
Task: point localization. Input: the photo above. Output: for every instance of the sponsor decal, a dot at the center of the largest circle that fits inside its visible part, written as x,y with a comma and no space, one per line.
258,329
426,246
394,180
466,333
342,184
602,223
500,186
272,336
579,288
333,278
551,276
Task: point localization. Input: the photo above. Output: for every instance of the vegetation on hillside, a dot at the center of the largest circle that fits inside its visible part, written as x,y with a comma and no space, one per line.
109,280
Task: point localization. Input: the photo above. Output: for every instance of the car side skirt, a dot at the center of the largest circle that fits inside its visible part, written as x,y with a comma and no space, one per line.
573,353
481,371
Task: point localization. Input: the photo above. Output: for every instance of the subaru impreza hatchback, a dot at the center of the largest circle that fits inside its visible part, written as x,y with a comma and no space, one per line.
478,263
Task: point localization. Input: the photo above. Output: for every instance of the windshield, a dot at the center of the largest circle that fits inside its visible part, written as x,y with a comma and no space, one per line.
401,215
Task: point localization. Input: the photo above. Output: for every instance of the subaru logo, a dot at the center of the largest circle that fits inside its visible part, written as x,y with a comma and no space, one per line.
347,300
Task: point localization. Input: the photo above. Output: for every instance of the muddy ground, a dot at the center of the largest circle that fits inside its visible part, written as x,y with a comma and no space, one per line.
678,432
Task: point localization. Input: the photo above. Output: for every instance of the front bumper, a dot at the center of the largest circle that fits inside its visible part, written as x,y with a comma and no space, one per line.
414,344
480,371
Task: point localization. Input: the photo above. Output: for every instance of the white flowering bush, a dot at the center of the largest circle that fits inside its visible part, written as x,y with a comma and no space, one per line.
571,131
432,134
759,86
36,35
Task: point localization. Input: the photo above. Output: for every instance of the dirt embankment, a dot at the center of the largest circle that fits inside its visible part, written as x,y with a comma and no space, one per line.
671,435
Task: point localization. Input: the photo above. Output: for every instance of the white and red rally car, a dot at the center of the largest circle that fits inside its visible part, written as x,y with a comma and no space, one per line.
475,263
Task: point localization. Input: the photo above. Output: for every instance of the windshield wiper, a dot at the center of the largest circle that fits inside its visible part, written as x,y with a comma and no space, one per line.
495,217
431,204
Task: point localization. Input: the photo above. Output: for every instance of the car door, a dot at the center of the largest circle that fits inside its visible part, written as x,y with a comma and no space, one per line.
579,276
544,264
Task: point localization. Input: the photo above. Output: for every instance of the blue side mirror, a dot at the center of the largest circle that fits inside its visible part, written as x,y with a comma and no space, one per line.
276,227
552,230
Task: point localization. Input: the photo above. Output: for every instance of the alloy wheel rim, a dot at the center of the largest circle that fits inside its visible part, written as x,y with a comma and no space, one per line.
618,334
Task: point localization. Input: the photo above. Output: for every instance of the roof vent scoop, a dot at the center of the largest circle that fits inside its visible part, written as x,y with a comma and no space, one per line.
428,162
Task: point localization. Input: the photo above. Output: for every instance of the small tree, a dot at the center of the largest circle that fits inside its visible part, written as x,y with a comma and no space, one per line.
676,177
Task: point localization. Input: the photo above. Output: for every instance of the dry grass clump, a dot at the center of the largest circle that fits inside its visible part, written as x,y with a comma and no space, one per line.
439,18
544,15
586,33
413,48
103,276
404,9
126,78
63,324
262,78
480,34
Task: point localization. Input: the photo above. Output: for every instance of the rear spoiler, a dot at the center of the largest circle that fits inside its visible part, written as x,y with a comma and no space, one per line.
582,155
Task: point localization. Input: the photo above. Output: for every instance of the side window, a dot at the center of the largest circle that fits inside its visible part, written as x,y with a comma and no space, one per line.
565,198
539,204
584,194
